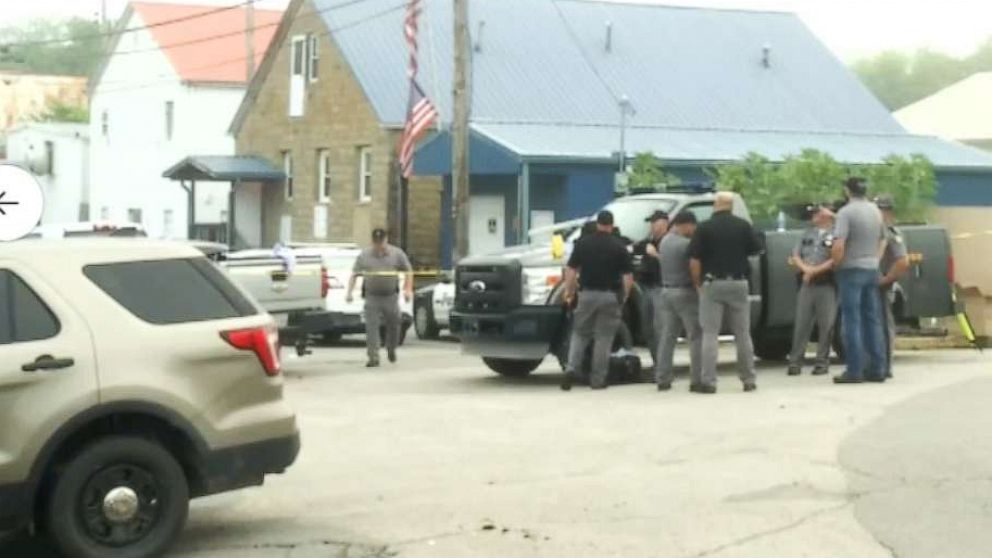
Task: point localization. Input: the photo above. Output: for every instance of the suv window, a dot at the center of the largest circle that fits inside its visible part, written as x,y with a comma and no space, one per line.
171,291
702,211
24,317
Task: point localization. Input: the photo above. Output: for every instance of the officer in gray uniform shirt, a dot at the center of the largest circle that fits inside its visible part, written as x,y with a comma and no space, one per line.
676,306
893,264
380,265
817,298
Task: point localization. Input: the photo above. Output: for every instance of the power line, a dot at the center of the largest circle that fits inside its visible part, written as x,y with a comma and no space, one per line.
221,63
241,30
8,45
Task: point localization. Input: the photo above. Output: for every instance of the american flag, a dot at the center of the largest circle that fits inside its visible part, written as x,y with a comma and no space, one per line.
421,114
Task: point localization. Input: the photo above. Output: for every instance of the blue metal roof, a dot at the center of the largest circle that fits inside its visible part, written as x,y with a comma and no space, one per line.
600,143
224,168
546,61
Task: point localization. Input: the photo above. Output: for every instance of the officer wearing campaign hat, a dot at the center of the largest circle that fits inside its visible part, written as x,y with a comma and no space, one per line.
892,265
816,301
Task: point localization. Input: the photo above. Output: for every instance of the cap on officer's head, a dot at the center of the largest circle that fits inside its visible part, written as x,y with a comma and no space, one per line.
604,218
684,218
657,215
885,203
378,235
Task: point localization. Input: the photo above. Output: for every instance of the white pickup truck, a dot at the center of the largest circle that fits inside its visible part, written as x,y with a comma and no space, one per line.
289,285
340,316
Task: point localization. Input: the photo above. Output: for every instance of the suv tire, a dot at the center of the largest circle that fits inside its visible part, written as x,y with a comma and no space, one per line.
423,321
511,368
77,510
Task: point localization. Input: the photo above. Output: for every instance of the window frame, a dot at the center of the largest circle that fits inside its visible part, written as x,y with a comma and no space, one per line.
313,58
365,174
287,169
170,119
7,277
323,175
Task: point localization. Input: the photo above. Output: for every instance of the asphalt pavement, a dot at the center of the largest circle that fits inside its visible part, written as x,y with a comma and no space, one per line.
436,456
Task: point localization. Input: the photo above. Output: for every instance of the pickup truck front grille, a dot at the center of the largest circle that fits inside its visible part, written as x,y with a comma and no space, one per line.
488,287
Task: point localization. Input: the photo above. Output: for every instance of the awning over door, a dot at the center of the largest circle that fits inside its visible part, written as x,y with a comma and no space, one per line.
224,168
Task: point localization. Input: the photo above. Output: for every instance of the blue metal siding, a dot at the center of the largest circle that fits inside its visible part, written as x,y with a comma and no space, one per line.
964,189
433,158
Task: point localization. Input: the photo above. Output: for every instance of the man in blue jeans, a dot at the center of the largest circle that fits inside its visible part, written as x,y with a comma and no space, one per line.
859,232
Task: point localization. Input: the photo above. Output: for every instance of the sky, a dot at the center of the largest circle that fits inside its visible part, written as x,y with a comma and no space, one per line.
851,28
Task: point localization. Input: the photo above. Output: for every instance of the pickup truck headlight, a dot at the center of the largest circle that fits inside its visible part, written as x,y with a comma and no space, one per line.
538,282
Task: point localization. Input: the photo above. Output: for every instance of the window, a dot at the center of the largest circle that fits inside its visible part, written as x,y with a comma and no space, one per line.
702,211
50,158
105,124
168,221
298,63
313,58
287,167
84,211
171,291
364,174
134,215
323,175
104,213
170,109
24,317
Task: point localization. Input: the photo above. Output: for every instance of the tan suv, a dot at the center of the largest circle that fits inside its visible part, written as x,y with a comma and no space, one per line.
133,376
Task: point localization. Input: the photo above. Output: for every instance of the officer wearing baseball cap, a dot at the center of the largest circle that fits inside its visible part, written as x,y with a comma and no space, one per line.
601,268
816,301
648,272
893,264
380,265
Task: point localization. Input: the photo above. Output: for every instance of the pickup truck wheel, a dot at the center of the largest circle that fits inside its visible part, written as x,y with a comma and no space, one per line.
423,322
772,348
511,368
119,497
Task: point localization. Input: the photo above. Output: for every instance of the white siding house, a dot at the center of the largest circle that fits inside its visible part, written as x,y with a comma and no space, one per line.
58,155
163,93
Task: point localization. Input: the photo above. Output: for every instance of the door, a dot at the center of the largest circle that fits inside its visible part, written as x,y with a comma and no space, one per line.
47,368
926,287
487,228
247,215
540,218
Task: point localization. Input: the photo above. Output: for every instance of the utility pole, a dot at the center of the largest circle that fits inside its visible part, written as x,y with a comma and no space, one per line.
249,40
459,129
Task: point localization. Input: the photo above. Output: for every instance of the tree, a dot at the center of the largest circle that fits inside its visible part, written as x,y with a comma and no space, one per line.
911,182
78,55
814,176
646,173
57,111
899,79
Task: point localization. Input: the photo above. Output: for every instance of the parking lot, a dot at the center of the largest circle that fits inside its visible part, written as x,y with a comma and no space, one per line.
436,456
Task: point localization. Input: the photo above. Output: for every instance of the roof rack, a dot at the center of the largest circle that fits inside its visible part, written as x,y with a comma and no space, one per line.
684,188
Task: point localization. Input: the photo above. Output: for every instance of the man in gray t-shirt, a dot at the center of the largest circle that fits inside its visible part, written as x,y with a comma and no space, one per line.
859,234
676,305
380,266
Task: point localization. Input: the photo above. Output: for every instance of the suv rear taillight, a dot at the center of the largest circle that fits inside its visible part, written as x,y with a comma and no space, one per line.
263,341
950,270
325,282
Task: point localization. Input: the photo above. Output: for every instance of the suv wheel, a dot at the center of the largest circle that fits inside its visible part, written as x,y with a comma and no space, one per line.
119,497
423,322
510,367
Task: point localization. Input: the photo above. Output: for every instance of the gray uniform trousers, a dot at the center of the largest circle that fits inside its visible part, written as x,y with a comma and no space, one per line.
596,318
730,297
676,309
379,311
888,299
814,304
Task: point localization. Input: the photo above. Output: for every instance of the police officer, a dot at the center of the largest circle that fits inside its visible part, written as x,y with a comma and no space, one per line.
648,273
677,307
859,235
380,265
893,264
817,298
601,266
718,254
